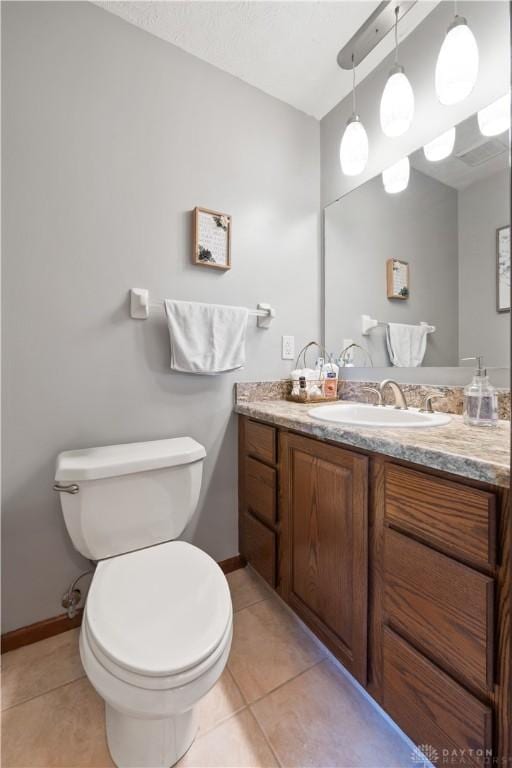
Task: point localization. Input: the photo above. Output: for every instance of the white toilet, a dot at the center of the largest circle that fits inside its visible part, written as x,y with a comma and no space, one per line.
157,625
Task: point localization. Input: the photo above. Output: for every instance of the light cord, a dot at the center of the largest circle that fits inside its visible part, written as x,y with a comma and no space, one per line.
353,86
397,10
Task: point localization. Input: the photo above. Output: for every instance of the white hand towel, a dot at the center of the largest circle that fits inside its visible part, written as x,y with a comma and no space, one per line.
406,344
206,338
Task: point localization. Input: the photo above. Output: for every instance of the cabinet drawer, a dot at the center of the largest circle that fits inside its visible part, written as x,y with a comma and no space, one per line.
261,490
443,607
428,705
442,513
260,441
260,547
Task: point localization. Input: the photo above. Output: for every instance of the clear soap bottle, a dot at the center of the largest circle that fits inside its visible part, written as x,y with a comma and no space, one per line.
480,398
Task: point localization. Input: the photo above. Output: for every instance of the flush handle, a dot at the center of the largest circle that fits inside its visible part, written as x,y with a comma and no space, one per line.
73,488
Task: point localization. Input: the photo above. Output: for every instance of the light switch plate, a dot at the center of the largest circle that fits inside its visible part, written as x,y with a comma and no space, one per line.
287,347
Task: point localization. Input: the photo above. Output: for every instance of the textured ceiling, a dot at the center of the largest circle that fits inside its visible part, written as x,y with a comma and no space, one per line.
287,49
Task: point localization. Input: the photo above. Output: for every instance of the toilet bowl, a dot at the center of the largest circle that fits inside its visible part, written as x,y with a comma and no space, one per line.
155,639
158,619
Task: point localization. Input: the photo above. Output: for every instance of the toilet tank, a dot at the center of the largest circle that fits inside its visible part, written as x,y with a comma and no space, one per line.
119,498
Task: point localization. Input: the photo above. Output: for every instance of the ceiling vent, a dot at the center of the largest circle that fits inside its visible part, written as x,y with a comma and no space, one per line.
481,152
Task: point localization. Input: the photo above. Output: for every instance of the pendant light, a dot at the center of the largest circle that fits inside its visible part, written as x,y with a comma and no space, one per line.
397,102
495,118
354,142
396,178
457,63
440,148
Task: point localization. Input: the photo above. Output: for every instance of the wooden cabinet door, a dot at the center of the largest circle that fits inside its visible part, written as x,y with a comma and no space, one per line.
324,561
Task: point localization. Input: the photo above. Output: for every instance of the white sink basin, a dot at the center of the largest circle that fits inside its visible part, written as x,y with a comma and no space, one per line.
362,415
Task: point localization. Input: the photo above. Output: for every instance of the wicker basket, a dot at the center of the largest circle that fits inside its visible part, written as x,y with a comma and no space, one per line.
317,390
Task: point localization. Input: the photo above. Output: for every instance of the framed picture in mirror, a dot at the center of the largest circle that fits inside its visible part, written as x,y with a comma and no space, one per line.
212,239
397,278
503,269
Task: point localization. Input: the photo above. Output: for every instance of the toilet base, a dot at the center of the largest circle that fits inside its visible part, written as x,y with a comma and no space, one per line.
149,743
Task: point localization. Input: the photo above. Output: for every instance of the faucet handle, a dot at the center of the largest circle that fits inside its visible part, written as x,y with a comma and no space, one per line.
374,391
427,405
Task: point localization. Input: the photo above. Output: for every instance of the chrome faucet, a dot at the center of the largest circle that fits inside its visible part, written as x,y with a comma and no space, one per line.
427,406
400,401
374,392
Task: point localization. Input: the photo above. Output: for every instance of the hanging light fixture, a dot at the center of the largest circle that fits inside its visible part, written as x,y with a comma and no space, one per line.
440,148
495,118
457,63
396,178
397,102
354,142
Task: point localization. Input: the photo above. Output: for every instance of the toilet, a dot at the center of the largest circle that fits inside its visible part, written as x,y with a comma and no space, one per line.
157,625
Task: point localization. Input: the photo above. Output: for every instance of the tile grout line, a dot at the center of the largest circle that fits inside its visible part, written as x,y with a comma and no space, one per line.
231,714
244,697
44,693
222,721
250,605
273,596
281,685
266,739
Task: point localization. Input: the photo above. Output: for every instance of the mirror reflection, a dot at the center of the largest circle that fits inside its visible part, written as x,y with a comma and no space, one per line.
427,246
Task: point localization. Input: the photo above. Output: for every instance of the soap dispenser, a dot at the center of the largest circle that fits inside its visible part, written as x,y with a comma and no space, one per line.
480,398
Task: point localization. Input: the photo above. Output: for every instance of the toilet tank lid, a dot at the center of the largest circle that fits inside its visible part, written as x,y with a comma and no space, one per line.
125,459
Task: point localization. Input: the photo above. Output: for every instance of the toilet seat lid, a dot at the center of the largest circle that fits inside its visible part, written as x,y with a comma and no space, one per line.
159,611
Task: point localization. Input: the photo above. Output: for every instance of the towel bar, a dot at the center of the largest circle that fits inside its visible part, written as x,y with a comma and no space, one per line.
140,304
368,324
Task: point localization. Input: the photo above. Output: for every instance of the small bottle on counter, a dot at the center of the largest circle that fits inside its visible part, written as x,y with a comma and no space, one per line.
480,398
303,392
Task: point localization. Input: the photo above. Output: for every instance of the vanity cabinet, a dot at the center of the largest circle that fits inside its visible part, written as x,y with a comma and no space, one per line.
324,553
404,574
258,498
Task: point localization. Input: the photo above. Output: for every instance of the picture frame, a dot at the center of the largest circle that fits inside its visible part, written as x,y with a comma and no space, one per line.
211,239
503,269
397,279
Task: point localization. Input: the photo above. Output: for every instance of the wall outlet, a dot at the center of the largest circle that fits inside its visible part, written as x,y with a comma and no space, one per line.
287,347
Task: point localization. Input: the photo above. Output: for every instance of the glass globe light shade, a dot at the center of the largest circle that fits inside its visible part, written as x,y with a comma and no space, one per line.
396,178
457,63
440,148
495,118
354,148
397,103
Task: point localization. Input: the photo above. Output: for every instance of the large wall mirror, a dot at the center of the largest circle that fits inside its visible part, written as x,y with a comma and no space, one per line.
437,253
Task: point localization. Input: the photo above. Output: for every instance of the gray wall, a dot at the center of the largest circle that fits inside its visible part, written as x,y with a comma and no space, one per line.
483,207
110,137
489,21
369,226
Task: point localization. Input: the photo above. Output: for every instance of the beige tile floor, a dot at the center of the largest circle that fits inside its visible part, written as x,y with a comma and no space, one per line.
282,701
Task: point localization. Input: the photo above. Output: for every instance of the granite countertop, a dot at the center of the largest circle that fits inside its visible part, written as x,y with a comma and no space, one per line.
477,453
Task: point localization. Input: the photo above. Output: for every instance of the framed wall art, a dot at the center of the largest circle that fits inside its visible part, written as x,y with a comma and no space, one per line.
503,269
212,239
397,278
